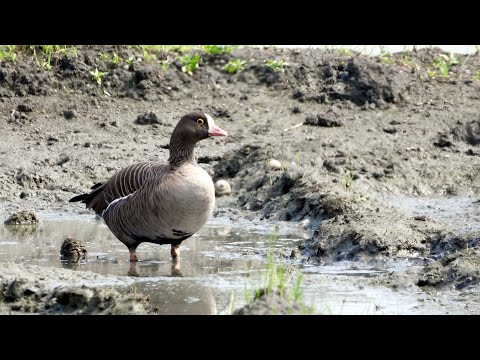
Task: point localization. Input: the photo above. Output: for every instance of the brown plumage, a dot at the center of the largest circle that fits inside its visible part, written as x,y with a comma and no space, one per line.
159,203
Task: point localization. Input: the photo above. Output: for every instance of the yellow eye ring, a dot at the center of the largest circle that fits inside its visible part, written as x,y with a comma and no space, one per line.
200,122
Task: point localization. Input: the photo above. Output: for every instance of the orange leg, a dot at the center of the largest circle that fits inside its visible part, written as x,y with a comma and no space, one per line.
133,255
176,268
132,271
175,250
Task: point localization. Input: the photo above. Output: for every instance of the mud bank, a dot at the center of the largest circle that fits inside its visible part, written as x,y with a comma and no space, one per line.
351,133
26,289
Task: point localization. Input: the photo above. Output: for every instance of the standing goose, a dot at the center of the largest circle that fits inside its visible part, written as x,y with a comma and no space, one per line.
159,203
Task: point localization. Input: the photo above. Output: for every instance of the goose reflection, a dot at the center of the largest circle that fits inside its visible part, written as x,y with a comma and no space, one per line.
182,296
174,272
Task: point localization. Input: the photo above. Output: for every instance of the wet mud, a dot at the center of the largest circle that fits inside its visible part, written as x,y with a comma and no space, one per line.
355,139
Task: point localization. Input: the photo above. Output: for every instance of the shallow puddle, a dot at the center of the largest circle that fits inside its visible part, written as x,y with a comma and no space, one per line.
218,267
460,212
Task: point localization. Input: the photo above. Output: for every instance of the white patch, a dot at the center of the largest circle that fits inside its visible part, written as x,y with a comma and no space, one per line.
117,200
210,122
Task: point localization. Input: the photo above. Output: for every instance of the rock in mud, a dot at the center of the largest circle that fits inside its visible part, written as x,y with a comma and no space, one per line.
147,119
473,132
73,250
222,188
24,108
270,304
69,114
274,165
322,120
443,140
24,217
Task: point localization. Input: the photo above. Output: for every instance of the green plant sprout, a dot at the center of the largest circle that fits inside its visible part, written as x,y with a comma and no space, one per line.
444,63
234,66
275,65
97,76
345,51
190,63
217,49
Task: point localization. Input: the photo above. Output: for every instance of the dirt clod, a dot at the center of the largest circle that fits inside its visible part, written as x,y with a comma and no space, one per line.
23,217
73,250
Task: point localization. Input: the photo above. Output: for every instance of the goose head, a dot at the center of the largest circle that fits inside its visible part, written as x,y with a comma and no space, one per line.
196,126
191,128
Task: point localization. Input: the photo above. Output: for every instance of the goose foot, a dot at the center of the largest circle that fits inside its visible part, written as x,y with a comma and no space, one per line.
175,250
133,271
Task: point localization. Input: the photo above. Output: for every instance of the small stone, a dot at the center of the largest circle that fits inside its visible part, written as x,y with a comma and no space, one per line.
63,160
274,165
222,188
390,130
420,218
305,223
69,114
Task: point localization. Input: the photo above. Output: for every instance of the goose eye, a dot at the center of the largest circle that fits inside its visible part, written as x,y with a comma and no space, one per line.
200,122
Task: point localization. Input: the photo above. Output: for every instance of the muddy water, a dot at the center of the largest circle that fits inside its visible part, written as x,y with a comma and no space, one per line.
460,212
218,267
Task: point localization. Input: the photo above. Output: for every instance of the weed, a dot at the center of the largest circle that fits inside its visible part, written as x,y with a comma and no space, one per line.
476,75
234,66
217,49
129,62
104,57
444,63
431,74
297,288
275,65
43,54
97,76
386,56
274,275
152,52
7,52
165,64
180,49
190,63
345,51
347,181
116,59
148,54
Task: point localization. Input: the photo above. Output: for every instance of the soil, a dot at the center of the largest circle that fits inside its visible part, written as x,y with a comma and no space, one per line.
35,289
270,303
349,131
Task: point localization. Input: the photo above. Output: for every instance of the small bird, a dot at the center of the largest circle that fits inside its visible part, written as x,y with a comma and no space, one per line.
159,203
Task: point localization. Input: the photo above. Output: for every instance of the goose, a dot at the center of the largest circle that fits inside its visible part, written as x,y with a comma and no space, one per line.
155,202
